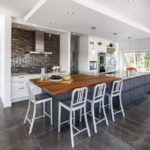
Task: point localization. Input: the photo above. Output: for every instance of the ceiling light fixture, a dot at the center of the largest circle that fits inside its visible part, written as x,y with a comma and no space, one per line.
70,13
111,13
129,1
39,4
93,30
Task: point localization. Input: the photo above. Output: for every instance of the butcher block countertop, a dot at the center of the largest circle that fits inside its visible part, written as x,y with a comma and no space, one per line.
77,81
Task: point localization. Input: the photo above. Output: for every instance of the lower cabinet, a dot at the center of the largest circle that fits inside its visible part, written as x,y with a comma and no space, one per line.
18,87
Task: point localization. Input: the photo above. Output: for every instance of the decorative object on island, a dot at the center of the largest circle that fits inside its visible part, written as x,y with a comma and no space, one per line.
42,74
67,77
93,65
131,70
56,69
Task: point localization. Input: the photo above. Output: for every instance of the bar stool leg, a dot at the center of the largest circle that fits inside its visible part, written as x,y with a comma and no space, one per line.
71,130
51,111
112,109
80,114
103,106
100,106
44,109
59,118
93,116
86,122
74,117
121,106
27,113
33,119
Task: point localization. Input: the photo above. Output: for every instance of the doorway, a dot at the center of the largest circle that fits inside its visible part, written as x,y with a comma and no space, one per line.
74,54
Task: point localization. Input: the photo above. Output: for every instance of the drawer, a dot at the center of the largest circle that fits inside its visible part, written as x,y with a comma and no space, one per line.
19,92
20,78
18,84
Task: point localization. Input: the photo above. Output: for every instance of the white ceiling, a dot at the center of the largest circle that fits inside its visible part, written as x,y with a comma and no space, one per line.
84,18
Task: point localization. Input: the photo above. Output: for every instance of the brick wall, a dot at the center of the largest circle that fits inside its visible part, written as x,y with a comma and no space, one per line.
23,41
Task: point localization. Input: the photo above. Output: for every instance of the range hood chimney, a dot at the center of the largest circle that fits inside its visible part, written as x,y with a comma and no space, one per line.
39,44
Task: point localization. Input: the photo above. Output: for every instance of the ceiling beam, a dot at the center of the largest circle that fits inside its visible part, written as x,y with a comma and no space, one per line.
38,5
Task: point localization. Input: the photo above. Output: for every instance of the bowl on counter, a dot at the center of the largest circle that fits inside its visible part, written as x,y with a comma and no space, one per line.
56,78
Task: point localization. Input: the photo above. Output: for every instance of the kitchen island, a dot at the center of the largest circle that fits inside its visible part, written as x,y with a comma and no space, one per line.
61,91
135,85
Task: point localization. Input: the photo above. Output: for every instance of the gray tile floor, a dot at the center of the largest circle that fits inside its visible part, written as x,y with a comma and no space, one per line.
131,133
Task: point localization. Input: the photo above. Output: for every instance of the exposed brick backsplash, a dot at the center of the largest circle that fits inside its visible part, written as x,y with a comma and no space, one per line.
23,41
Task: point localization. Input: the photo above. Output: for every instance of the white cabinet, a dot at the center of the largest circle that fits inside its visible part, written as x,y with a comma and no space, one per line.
18,87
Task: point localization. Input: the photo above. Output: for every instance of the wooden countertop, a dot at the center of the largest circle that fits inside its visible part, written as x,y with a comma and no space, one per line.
78,81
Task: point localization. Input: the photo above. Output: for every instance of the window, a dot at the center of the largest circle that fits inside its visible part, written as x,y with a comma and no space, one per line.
140,60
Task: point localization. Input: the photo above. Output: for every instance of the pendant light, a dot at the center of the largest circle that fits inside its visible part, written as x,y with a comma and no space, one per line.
130,59
93,30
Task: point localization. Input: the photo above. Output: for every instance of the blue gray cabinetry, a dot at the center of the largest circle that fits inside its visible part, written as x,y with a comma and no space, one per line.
134,88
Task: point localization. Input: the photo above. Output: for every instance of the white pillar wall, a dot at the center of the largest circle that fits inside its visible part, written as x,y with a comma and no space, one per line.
5,60
65,40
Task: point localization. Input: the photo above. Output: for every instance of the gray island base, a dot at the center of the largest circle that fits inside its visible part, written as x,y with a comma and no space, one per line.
134,87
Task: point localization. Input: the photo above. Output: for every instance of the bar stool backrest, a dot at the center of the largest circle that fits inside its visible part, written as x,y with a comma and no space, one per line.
30,88
79,97
99,91
117,87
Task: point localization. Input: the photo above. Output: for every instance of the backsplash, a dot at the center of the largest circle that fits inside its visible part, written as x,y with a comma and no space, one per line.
23,41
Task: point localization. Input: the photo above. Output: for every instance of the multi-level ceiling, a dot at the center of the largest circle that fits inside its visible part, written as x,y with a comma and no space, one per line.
109,16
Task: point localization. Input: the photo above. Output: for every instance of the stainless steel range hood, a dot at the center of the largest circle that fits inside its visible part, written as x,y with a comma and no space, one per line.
39,44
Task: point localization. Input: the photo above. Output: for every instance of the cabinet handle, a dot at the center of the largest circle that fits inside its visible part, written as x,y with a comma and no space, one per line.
21,88
21,82
21,77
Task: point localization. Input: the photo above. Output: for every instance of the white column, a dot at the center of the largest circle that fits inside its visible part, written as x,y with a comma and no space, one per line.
83,54
5,59
65,40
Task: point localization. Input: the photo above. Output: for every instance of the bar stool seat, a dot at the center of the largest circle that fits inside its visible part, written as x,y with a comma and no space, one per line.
37,99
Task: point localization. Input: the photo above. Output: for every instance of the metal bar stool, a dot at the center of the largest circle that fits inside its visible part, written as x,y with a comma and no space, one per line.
98,98
115,92
37,99
77,102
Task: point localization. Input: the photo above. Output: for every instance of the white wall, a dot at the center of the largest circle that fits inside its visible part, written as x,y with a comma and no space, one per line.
65,51
5,59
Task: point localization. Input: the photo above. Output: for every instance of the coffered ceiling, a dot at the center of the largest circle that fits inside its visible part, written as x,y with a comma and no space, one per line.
54,14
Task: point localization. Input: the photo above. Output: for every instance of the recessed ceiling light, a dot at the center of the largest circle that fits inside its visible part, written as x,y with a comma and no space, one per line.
74,33
70,13
129,1
52,22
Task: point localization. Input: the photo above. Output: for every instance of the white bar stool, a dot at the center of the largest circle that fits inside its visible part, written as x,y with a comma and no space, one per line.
37,99
115,92
98,98
77,102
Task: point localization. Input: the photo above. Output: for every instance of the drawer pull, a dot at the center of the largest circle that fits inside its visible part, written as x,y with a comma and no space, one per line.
21,82
21,88
21,77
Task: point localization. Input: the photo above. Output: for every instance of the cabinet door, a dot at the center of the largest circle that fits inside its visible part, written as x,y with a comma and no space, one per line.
19,92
